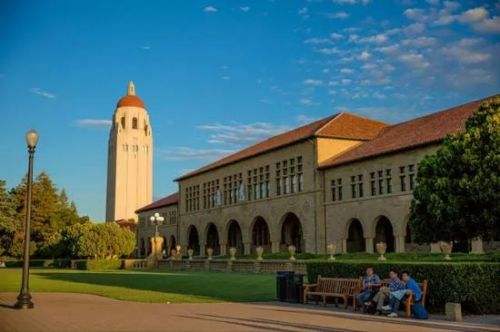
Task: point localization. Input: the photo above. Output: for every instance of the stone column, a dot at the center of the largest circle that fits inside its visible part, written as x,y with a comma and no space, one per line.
400,243
344,246
223,250
369,245
275,246
246,247
435,247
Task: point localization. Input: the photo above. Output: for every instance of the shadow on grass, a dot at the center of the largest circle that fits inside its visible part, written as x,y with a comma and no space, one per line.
213,286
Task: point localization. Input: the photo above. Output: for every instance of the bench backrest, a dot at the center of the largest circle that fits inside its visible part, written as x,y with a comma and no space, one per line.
337,285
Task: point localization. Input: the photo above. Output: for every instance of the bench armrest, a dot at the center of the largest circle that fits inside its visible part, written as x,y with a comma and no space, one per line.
309,287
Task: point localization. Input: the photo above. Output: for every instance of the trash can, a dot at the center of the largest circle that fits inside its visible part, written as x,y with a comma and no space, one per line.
284,285
298,286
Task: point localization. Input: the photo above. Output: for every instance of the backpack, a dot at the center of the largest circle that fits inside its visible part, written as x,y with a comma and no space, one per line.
419,311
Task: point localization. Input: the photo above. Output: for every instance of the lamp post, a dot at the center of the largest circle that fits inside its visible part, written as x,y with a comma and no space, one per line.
156,219
24,297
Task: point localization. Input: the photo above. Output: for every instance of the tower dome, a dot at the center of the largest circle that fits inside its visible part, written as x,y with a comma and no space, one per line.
130,99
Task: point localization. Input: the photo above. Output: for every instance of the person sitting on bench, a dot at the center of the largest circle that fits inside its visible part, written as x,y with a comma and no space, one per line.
371,282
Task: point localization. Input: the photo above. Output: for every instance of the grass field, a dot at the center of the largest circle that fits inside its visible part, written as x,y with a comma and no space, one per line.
161,287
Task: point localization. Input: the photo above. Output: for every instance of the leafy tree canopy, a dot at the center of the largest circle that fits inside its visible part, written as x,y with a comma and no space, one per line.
458,188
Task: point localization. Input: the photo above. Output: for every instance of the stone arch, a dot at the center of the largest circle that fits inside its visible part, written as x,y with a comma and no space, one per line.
291,232
193,240
149,248
355,240
235,237
134,123
260,234
212,238
172,245
384,232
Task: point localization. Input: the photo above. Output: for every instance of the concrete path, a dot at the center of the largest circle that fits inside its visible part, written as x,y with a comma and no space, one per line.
83,312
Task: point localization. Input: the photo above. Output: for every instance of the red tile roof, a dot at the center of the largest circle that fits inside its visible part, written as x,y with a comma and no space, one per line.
418,132
162,202
341,125
128,101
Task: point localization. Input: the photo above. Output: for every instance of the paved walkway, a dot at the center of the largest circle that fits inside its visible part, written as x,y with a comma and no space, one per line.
83,312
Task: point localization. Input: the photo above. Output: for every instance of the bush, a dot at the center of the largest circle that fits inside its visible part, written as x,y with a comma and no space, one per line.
33,263
99,264
475,285
60,263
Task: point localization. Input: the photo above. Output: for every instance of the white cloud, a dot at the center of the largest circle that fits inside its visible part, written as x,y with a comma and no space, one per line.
308,102
145,48
225,77
390,49
336,36
317,41
414,29
375,39
305,119
414,60
245,8
93,123
415,14
338,15
182,153
240,134
312,82
420,42
328,51
351,2
473,15
303,11
465,51
43,93
364,56
346,71
210,9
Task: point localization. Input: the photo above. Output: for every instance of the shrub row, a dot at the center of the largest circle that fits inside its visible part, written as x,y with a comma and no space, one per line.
99,264
475,285
56,263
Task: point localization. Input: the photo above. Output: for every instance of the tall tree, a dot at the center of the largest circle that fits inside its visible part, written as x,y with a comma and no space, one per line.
458,188
7,219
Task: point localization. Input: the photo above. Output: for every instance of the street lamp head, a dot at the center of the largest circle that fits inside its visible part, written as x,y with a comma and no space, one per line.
152,218
160,219
31,138
157,215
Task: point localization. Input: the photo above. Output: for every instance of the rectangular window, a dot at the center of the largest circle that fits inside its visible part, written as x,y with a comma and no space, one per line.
339,188
373,187
360,185
411,176
353,187
267,189
278,186
301,180
388,181
402,178
333,189
286,185
380,182
294,183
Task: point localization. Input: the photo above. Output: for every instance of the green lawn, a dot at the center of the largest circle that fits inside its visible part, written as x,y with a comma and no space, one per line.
162,287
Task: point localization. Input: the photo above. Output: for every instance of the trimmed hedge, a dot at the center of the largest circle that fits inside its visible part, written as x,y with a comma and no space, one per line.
475,285
99,264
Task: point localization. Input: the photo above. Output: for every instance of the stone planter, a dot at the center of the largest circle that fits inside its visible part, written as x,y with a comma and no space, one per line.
190,254
232,253
453,311
210,252
446,248
259,251
173,253
381,248
331,249
291,251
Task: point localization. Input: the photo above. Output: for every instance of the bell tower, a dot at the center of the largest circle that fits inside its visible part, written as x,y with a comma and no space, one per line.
130,159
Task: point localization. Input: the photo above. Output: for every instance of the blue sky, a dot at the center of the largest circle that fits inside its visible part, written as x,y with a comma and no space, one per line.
219,75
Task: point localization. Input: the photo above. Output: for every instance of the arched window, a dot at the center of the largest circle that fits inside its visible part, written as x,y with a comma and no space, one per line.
134,123
123,122
146,129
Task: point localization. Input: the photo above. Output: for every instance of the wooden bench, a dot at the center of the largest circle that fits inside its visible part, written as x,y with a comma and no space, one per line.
332,287
409,299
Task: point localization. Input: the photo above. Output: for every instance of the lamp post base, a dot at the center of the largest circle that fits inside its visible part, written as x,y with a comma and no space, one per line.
24,302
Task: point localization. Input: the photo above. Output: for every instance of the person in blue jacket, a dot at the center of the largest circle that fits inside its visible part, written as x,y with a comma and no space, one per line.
411,286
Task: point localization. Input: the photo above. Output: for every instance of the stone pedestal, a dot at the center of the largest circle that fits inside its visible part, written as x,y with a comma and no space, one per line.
223,247
477,246
369,245
156,246
257,266
435,249
246,247
453,312
229,267
275,247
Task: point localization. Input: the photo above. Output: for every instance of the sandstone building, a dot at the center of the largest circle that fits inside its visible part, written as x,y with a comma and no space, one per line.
344,179
130,161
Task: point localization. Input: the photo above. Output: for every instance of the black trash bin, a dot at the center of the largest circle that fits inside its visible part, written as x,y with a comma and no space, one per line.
285,285
298,287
